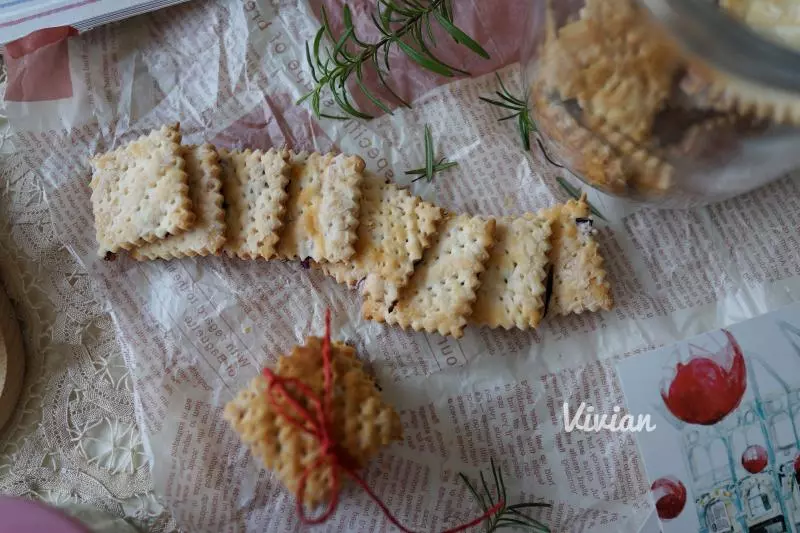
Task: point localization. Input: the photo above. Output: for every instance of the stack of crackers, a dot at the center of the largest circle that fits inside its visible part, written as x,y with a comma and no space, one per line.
417,265
622,103
362,422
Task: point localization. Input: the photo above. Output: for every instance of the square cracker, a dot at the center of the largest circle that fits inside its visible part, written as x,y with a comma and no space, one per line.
579,279
394,230
441,291
140,192
208,233
362,422
323,207
254,186
513,286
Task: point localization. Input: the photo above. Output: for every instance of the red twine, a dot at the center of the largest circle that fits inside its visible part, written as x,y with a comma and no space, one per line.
317,422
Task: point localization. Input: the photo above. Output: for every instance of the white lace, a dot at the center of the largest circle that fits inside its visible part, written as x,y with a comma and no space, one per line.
73,439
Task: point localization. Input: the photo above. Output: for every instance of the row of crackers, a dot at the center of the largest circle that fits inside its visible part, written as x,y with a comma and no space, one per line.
417,265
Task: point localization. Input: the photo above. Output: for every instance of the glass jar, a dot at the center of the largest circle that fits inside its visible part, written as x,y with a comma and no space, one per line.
671,102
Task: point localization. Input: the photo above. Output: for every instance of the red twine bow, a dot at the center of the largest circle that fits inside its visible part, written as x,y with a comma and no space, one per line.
317,422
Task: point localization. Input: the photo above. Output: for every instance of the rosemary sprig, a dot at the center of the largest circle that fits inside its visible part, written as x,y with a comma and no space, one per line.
431,165
509,516
520,112
406,24
576,193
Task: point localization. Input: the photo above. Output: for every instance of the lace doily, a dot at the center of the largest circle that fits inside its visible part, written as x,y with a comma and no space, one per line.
73,439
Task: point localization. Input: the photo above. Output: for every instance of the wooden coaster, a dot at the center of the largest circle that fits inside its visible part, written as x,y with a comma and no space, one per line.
12,359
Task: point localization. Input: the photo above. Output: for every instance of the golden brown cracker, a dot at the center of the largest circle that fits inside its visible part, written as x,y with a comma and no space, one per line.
140,192
616,65
208,233
394,231
512,289
713,89
254,186
441,291
579,279
362,423
323,207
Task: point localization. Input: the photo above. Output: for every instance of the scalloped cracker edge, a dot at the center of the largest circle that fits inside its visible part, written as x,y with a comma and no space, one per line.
207,236
512,289
140,192
323,207
394,231
363,424
441,292
724,92
579,279
254,186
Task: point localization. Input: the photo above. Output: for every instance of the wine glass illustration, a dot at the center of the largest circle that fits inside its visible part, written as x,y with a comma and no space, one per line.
708,381
670,496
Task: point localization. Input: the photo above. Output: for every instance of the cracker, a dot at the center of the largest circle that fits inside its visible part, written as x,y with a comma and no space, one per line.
362,422
579,279
604,156
254,185
394,230
208,233
512,288
774,19
616,65
645,167
440,293
724,92
323,207
140,192
580,148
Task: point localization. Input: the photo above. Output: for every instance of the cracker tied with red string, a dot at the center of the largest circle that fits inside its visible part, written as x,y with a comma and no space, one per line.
317,418
290,440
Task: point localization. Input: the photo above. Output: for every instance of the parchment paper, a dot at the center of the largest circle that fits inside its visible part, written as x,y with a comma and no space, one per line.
194,331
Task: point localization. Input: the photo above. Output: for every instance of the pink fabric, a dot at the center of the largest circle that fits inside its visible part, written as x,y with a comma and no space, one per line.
26,516
42,55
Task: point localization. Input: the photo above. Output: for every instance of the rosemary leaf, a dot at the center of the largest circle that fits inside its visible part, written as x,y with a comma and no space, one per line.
528,505
507,516
478,498
501,104
525,123
432,167
459,36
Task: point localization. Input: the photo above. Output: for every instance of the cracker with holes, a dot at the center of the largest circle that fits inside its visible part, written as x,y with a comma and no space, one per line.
254,186
362,423
579,279
440,294
394,230
140,192
323,207
512,289
208,233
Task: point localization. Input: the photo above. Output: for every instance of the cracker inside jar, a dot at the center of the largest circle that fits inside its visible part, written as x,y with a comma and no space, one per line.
617,101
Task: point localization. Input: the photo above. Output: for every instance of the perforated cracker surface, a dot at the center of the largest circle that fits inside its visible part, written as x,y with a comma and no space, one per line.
362,422
140,192
512,287
579,279
254,187
208,232
394,231
323,207
441,291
